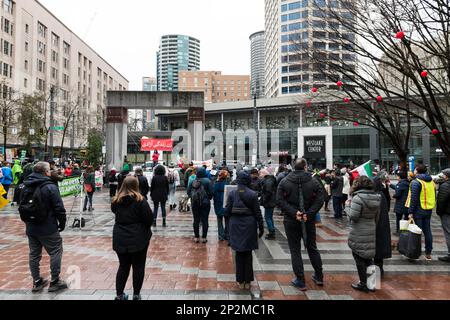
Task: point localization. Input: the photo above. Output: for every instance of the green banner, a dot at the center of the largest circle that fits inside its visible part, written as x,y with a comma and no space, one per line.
69,187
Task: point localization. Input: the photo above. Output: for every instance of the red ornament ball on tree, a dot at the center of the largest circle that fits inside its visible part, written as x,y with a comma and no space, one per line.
400,35
435,132
322,115
346,100
356,124
424,74
309,104
380,99
314,90
339,84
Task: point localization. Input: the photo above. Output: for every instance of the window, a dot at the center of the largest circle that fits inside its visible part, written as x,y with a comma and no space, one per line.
41,66
6,26
7,48
65,79
66,63
55,56
26,46
54,74
55,40
26,65
25,83
42,30
27,28
66,47
41,48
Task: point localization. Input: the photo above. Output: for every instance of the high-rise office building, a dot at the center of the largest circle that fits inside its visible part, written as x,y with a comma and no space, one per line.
149,84
216,86
176,53
39,53
257,64
299,34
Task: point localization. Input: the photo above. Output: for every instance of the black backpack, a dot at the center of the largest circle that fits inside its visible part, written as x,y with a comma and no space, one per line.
198,193
31,207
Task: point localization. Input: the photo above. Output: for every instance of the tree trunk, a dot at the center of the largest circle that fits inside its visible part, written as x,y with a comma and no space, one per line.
62,141
5,139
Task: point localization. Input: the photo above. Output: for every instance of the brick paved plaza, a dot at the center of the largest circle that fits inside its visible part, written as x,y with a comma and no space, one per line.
178,269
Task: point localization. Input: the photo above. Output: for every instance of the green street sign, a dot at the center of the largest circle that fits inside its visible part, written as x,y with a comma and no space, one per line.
57,128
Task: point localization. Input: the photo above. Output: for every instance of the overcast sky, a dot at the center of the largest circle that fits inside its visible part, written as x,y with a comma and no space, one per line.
127,33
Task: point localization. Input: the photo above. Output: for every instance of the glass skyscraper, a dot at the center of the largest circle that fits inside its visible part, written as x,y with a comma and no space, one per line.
176,53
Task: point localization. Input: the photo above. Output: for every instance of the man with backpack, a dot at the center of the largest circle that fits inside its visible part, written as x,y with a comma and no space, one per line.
42,210
300,197
201,193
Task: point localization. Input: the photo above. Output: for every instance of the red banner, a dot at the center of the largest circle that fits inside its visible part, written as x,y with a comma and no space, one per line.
156,144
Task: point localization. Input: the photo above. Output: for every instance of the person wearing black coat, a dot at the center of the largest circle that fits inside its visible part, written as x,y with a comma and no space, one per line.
337,186
160,193
401,195
144,188
245,217
298,192
269,200
383,242
131,236
443,210
46,234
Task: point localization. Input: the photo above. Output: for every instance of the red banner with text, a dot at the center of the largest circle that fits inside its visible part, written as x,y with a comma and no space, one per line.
156,144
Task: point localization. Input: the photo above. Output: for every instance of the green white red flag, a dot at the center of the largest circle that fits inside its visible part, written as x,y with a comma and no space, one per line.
364,170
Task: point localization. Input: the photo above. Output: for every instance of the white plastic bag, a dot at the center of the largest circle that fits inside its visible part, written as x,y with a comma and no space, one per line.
404,225
413,228
373,278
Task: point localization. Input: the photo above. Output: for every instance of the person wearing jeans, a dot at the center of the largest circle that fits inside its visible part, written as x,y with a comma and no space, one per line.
268,200
443,210
47,233
160,193
421,202
89,187
219,191
201,210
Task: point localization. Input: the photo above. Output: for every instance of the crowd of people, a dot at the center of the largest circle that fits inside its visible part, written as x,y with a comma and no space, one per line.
298,192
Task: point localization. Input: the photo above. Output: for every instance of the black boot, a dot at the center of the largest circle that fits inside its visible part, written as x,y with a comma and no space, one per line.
271,236
360,287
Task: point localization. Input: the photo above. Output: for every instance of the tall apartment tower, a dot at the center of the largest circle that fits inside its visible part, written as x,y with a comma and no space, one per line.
257,65
297,30
176,53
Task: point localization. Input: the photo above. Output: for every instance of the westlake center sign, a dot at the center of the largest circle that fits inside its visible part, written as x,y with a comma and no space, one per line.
315,147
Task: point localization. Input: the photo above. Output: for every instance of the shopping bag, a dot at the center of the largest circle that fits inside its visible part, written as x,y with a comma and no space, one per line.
404,225
373,277
410,242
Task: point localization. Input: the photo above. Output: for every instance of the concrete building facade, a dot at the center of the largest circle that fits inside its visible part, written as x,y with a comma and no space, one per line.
257,64
176,53
216,86
298,34
39,53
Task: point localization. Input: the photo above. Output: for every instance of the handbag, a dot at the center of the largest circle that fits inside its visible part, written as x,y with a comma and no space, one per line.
410,242
88,188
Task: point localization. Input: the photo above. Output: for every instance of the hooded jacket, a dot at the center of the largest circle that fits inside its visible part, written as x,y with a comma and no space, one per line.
401,195
269,192
288,195
52,202
416,188
17,172
7,179
132,229
363,215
